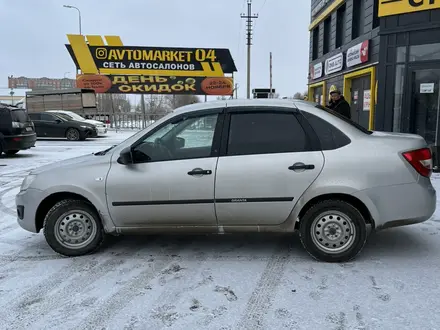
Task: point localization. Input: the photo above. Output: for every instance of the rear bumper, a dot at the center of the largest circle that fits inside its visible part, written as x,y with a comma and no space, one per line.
402,205
20,142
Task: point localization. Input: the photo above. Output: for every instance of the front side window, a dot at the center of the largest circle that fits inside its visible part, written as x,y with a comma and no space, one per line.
186,138
265,133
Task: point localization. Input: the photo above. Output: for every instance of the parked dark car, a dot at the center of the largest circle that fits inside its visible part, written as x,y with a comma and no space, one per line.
16,130
58,126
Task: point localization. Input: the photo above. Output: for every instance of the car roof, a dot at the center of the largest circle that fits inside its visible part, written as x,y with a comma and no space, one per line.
236,103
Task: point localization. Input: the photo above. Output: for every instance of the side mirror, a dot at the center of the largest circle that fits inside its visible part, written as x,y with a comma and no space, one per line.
180,143
58,121
125,157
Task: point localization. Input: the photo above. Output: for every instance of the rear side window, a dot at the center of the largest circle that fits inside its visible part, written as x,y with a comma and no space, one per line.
34,116
330,137
265,133
20,116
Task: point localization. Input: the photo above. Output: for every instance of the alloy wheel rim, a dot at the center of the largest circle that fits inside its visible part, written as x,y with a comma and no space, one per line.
75,229
333,232
72,134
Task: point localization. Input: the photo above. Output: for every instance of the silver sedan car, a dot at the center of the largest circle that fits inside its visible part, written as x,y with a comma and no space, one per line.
273,166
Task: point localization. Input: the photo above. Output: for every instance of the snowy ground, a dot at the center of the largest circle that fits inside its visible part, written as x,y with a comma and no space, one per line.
224,282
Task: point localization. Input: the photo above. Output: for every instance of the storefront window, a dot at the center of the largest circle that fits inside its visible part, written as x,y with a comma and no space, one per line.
424,52
398,97
401,54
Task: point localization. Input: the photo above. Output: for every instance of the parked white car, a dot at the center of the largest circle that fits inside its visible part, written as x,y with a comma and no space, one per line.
102,128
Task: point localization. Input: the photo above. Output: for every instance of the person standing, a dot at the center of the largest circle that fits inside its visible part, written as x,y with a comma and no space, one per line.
339,104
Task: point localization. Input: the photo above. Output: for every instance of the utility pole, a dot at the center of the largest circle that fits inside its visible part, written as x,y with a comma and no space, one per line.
236,90
249,17
270,76
143,111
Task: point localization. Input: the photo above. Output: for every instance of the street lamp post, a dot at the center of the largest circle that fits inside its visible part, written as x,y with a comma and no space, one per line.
79,15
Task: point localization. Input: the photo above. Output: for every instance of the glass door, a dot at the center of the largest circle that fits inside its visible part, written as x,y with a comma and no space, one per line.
423,98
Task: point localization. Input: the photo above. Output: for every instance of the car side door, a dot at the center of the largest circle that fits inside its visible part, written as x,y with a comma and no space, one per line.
35,117
171,180
51,125
268,160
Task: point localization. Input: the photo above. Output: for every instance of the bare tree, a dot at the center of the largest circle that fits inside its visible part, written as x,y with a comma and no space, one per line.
298,95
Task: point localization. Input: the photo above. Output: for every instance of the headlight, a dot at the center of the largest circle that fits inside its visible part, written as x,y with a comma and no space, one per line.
85,127
27,181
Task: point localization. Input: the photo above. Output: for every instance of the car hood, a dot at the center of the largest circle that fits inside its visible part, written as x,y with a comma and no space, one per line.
76,162
93,122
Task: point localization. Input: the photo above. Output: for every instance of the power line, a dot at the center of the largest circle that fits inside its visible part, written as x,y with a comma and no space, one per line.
249,21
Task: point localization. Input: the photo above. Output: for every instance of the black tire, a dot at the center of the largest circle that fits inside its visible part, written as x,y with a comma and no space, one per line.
67,215
72,134
11,152
336,217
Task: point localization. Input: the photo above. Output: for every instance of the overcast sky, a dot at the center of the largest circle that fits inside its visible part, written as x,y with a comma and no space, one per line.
33,34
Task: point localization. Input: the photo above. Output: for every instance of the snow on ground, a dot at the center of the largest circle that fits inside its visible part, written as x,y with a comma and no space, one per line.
221,282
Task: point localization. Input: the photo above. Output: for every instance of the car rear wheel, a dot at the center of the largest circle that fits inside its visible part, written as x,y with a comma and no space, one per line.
73,228
333,231
11,152
73,134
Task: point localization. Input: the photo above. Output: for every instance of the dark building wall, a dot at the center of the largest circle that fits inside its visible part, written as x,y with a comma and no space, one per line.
369,33
400,30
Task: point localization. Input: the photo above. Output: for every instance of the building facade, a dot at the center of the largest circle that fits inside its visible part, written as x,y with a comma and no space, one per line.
384,56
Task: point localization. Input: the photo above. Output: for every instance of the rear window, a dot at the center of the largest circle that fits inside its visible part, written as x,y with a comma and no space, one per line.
348,121
20,116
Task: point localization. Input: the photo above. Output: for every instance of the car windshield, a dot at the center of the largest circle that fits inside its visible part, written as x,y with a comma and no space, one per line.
348,121
19,115
75,116
64,116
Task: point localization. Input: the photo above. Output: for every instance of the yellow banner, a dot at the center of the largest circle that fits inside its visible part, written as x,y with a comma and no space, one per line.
395,7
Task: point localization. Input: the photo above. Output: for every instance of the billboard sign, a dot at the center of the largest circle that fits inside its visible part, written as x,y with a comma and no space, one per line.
137,84
92,56
396,7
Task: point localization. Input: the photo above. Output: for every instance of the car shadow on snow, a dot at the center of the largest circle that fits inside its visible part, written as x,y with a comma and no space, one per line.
408,243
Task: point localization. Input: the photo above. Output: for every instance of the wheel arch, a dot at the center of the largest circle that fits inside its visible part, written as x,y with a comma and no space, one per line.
354,201
54,198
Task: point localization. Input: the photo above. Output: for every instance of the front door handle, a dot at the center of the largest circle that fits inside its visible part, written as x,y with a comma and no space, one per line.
301,166
199,171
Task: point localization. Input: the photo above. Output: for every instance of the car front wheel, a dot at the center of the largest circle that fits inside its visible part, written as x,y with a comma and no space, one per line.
73,134
333,231
73,228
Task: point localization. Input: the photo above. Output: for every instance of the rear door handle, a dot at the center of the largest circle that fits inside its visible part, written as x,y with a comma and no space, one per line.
301,166
199,171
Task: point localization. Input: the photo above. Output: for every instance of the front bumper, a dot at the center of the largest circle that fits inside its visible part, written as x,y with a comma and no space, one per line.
91,132
27,203
102,130
20,142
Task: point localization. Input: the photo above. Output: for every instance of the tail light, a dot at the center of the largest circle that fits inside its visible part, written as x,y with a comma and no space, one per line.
421,160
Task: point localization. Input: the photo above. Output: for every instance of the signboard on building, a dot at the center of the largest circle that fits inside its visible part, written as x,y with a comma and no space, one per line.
395,7
135,84
92,56
367,100
319,6
316,71
40,83
427,88
334,63
358,54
